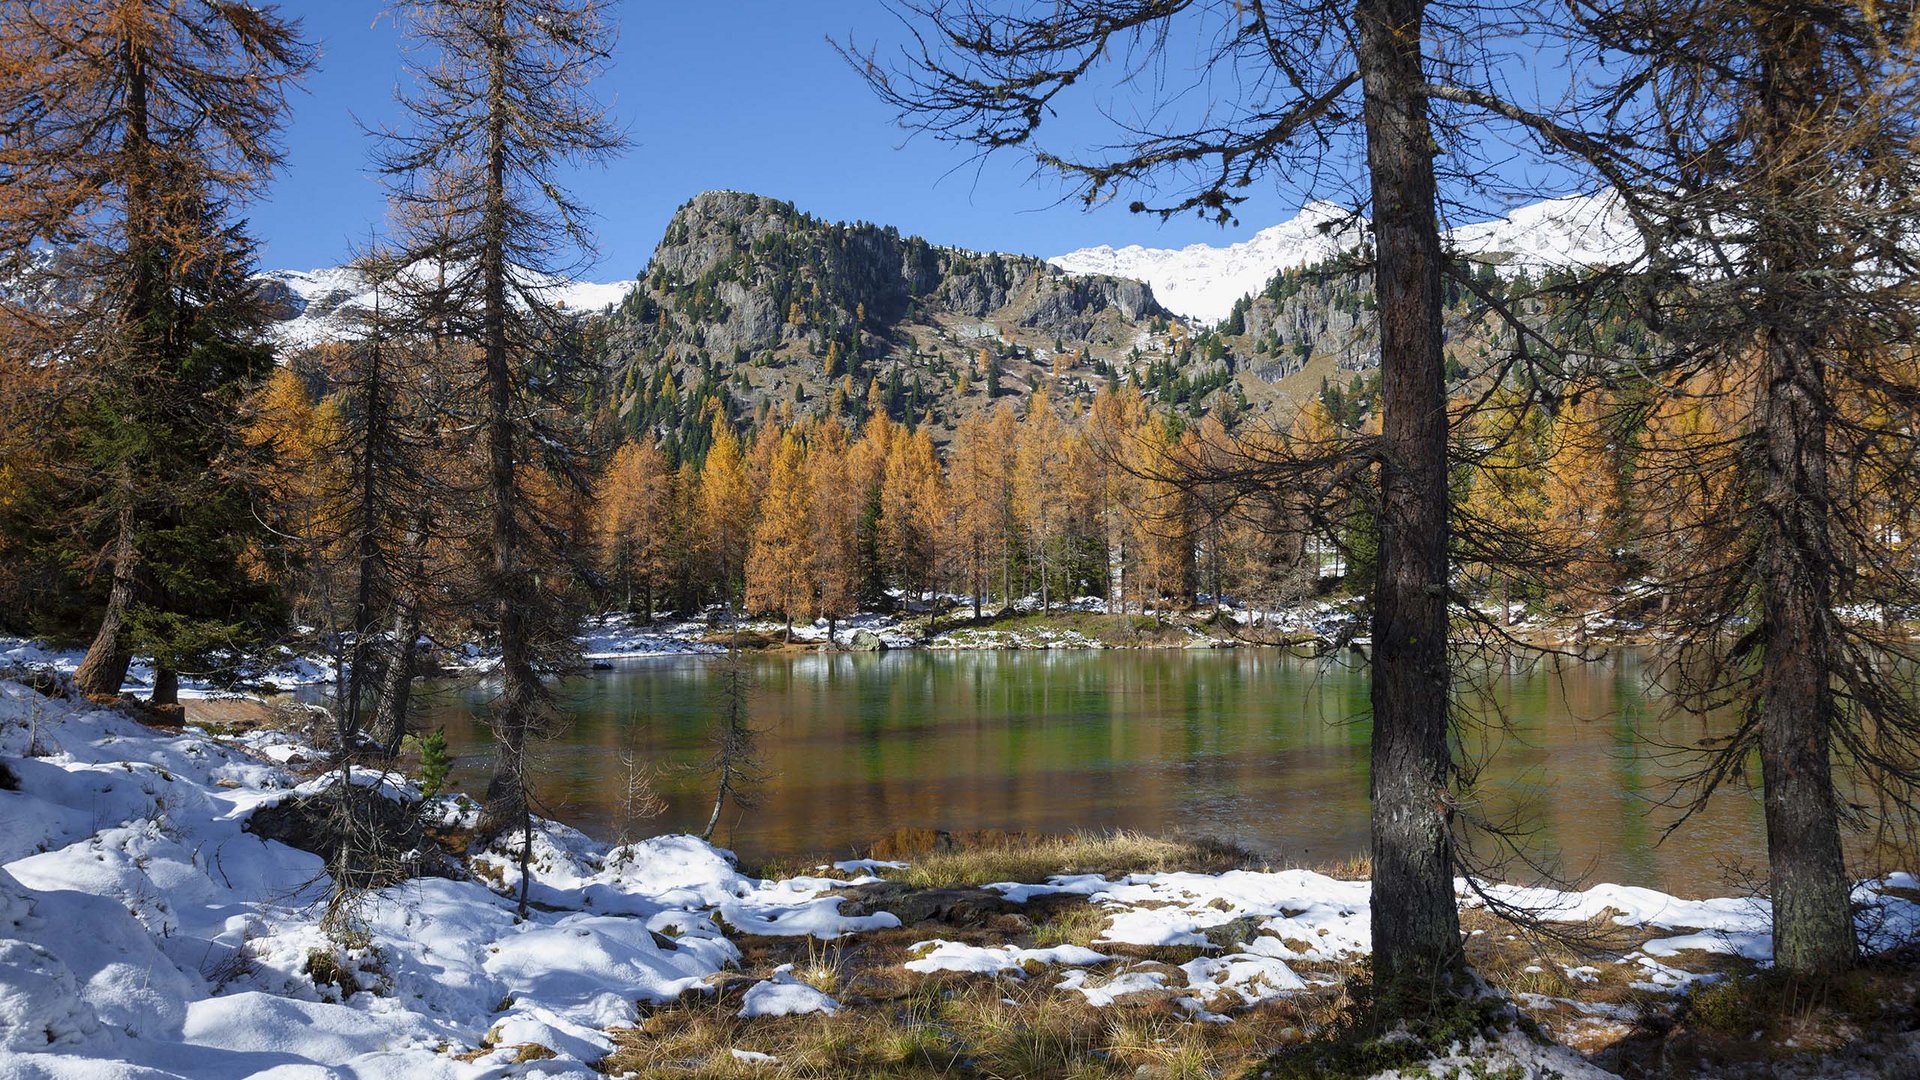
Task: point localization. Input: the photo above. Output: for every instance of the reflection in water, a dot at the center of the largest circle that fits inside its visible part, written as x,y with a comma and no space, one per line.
1253,746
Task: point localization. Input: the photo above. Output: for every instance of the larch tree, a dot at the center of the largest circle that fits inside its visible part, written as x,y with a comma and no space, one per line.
634,523
1507,448
723,510
833,520
1775,169
1584,508
128,128
500,106
778,570
1157,522
1040,464
912,504
1003,437
975,482
1113,425
394,494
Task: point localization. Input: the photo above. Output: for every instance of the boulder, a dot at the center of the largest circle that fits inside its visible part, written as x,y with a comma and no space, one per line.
389,842
914,905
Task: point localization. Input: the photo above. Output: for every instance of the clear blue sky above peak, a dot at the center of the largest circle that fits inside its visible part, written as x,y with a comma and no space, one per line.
740,94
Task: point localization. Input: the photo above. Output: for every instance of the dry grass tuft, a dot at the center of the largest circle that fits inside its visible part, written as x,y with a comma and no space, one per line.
1038,858
1073,923
821,969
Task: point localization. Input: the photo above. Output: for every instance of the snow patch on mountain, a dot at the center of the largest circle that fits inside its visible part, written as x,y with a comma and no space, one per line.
1202,281
324,304
1576,231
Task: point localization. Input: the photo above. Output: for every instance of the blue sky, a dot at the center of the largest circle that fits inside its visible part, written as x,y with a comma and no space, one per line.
741,94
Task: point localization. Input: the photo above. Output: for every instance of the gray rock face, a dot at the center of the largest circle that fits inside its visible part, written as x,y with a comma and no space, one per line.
1067,305
279,299
1325,315
867,641
741,279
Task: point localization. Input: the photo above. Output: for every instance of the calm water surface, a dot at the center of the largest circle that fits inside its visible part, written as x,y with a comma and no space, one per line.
1253,746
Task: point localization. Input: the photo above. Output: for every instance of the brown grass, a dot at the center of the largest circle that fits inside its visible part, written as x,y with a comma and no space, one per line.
960,1026
1034,859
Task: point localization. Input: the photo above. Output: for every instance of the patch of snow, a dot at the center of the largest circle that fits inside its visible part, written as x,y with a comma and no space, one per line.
1102,992
859,866
940,955
783,995
144,932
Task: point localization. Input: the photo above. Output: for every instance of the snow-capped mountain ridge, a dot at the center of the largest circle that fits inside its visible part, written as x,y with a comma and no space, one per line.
1203,281
322,304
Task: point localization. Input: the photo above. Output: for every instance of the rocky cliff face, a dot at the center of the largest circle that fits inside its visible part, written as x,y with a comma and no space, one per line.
750,295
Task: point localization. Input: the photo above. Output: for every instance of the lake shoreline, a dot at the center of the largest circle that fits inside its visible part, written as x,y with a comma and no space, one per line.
1309,630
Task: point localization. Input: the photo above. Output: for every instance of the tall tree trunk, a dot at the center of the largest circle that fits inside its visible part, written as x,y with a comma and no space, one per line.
367,563
1812,920
505,807
1416,926
396,686
104,669
1043,577
1006,570
626,570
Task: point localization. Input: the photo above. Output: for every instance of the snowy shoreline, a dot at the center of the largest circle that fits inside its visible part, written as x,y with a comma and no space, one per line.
144,932
1084,623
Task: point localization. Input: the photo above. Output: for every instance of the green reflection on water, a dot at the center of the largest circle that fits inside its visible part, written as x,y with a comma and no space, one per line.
1253,746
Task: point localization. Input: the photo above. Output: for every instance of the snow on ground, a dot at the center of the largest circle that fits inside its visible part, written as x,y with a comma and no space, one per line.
939,955
619,636
145,933
615,637
1256,924
282,667
1507,1053
784,995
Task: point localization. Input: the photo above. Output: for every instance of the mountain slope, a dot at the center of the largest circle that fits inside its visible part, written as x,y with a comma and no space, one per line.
751,301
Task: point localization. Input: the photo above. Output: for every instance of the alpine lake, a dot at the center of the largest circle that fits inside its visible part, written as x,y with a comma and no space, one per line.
1575,763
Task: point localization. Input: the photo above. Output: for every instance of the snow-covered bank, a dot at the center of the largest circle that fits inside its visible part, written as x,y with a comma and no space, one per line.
146,932
281,667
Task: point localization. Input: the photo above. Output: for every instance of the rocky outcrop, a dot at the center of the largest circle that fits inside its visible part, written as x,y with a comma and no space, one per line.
385,837
742,285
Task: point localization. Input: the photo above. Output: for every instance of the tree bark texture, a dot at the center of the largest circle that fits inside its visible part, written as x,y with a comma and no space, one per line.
1416,926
